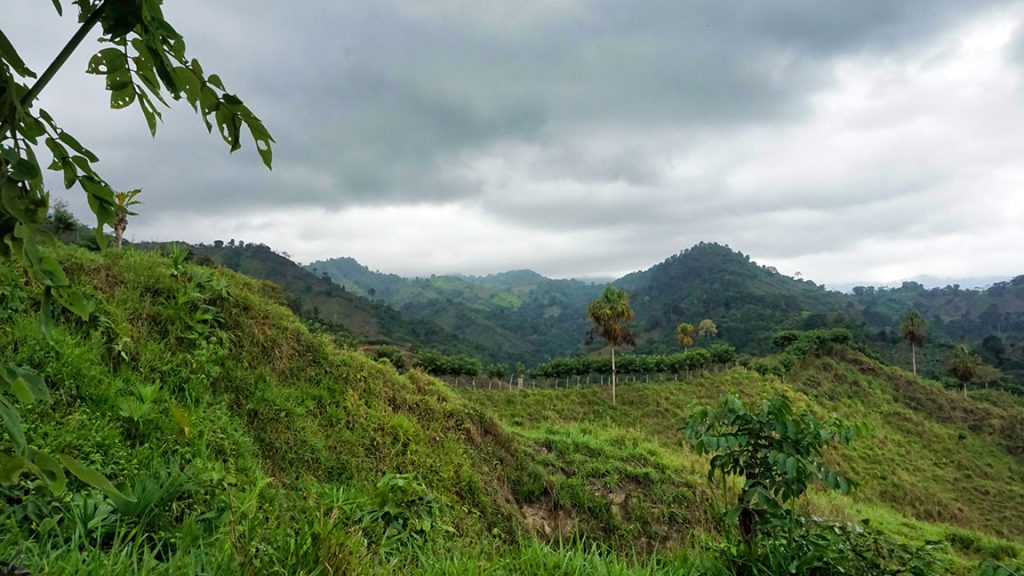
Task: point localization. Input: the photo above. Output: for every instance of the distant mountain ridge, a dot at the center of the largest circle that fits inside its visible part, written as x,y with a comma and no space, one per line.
523,316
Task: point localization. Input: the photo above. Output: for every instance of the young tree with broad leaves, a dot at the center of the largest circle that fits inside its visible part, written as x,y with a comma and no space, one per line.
610,314
777,451
913,329
143,62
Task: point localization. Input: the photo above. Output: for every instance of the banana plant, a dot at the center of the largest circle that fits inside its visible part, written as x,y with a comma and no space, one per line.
123,201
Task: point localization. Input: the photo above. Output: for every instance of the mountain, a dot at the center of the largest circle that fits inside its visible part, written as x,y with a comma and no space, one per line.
747,301
320,299
522,316
519,316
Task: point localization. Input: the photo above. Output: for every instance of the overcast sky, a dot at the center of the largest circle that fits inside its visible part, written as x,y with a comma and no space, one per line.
850,140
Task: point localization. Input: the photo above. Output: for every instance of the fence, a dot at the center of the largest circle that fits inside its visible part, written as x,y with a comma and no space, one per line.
590,380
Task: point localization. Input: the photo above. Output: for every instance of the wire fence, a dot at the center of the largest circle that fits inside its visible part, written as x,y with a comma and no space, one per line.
526,382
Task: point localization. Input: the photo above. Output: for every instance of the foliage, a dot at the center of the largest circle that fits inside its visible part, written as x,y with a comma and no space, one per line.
913,327
963,365
692,360
438,364
610,314
686,333
707,328
775,450
812,546
400,514
392,355
144,60
123,201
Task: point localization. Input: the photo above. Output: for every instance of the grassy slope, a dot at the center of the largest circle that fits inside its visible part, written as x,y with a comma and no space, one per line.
272,432
931,456
266,421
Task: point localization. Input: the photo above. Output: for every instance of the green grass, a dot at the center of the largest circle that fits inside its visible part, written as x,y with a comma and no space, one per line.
932,467
252,446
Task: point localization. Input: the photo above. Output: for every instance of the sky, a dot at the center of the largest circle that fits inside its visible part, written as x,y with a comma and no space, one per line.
853,142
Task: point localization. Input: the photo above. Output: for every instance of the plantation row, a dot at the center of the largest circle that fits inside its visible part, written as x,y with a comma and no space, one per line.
793,346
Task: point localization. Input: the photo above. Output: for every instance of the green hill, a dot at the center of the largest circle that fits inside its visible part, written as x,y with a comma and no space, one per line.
517,316
249,445
320,299
523,316
747,301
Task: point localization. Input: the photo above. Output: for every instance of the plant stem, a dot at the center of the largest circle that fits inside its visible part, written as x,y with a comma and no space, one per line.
61,59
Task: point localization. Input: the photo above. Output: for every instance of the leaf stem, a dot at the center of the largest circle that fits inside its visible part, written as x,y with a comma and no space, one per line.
62,58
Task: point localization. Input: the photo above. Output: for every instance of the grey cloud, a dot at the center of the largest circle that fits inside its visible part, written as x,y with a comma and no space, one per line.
379,102
395,102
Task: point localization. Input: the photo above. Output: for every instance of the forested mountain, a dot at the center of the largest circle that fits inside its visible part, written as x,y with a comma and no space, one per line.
747,301
320,299
518,315
522,316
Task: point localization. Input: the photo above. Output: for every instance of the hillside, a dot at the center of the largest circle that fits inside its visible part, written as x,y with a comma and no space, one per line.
934,466
747,301
532,318
517,316
250,445
320,299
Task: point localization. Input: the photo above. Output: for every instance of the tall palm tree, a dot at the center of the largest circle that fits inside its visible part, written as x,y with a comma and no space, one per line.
610,313
913,328
686,333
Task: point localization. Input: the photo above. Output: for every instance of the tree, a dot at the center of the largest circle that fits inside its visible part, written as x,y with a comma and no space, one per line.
686,333
143,58
124,200
60,220
963,365
707,328
775,450
610,313
913,328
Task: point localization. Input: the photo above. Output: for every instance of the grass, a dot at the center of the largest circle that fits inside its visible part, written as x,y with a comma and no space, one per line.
937,470
252,446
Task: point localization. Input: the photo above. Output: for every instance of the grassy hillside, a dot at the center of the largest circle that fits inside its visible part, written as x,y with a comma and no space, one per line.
934,466
250,446
243,436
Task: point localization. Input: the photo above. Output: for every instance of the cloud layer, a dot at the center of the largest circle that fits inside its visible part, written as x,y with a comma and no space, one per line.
852,141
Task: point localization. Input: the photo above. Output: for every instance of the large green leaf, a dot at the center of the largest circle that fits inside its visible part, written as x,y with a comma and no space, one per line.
94,479
48,469
11,467
12,424
26,385
10,55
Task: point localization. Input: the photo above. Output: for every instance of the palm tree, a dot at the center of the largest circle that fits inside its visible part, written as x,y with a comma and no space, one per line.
610,313
913,327
963,365
686,333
